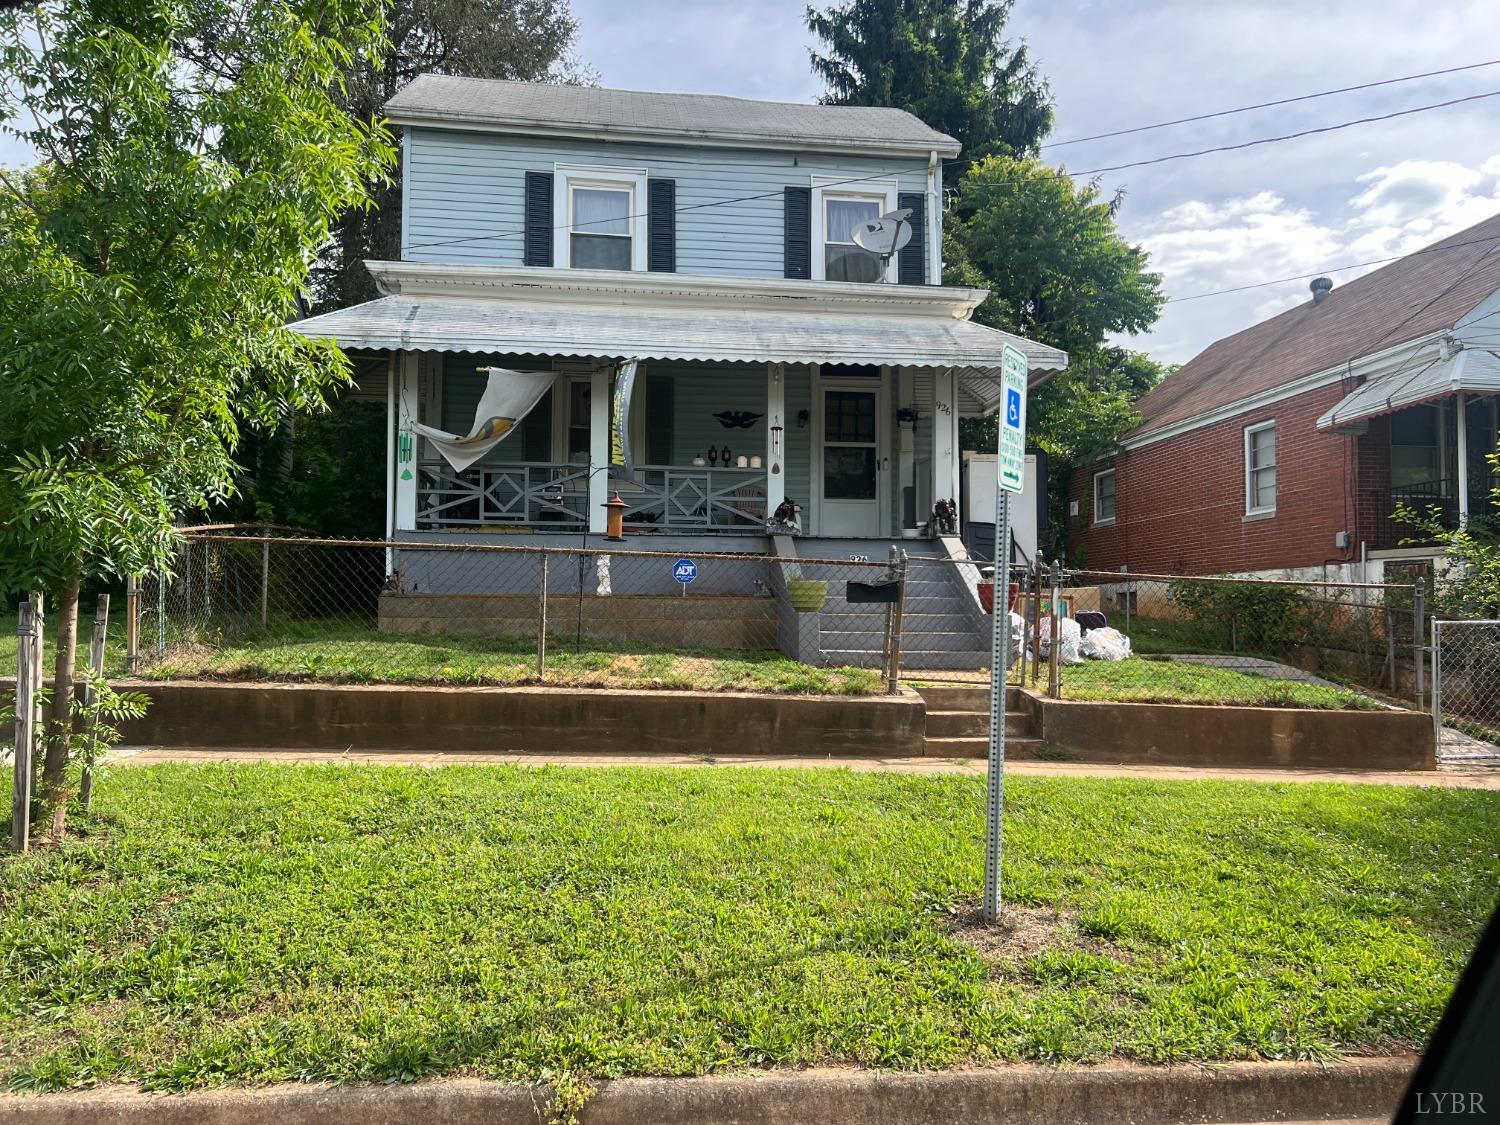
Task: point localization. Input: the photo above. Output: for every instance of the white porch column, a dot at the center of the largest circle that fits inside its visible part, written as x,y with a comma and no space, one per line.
944,438
598,448
775,437
1462,450
408,410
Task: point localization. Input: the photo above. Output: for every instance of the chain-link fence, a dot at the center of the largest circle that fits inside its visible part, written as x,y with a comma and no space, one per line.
277,606
1466,686
1346,633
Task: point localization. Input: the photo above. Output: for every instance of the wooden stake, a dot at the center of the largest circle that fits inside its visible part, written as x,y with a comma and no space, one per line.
27,639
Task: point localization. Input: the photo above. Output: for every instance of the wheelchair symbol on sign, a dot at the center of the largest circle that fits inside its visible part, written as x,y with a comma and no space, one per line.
1013,408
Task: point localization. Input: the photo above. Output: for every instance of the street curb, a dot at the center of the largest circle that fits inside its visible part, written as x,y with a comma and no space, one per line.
1017,1095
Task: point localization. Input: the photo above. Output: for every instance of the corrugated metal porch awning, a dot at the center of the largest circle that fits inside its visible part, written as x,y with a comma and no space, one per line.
1469,370
714,334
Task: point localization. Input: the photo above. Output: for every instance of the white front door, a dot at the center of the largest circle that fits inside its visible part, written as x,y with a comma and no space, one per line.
852,460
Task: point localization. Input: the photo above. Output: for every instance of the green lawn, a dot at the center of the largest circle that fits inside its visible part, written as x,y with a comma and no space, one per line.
1179,681
339,652
254,923
357,655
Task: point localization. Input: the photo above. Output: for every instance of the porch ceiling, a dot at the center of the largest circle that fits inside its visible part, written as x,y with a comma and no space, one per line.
1475,370
723,335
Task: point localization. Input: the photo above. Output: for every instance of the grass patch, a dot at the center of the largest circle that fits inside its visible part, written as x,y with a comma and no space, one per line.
341,653
254,923
1182,681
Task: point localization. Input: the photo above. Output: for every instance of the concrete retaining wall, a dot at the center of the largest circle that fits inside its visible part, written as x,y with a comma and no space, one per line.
1245,737
505,720
716,621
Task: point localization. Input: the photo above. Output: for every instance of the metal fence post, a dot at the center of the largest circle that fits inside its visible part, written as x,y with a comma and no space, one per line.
1437,683
27,630
1054,649
132,624
265,582
898,608
161,615
1419,640
1128,596
541,623
91,697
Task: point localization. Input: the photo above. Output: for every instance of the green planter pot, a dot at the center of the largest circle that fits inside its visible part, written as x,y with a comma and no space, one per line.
807,594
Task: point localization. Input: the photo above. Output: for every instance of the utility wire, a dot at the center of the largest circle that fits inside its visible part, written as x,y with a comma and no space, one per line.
517,232
1268,105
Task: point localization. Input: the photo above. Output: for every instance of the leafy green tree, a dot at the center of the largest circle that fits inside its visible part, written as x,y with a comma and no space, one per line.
152,263
521,40
947,61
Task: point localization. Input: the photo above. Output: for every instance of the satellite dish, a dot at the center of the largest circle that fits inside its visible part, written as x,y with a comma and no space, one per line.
885,235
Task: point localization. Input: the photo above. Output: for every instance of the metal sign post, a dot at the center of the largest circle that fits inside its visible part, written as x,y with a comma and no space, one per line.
1011,464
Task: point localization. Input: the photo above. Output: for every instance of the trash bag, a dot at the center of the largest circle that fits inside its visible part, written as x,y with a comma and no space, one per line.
1104,644
1069,636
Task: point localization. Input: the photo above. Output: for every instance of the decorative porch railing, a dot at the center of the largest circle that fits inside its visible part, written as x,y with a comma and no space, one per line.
1431,498
549,496
535,493
694,499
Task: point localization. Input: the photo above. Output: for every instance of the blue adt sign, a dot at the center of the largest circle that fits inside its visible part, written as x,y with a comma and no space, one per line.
684,570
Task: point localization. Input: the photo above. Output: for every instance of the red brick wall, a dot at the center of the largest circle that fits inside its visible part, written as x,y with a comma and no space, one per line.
1180,502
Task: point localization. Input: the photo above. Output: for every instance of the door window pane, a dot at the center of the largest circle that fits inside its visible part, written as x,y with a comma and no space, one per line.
849,472
849,416
578,421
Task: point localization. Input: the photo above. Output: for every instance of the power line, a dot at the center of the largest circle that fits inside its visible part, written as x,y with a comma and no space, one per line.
1331,269
1269,105
517,232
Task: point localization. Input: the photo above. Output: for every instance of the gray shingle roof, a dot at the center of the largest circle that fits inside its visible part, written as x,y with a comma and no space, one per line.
545,108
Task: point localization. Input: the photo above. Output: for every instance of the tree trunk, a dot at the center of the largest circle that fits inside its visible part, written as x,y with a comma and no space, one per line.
59,731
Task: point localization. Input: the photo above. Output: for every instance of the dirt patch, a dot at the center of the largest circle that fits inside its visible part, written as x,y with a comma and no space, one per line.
1025,931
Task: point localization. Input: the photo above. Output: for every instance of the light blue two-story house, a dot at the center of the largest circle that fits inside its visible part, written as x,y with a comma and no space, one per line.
570,229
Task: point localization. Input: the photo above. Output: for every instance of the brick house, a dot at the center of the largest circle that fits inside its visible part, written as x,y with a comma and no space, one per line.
1288,446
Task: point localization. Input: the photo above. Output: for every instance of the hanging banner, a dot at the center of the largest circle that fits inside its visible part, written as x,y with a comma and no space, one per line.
507,399
621,457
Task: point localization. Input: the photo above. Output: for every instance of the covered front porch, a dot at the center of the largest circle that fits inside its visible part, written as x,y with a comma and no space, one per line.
842,399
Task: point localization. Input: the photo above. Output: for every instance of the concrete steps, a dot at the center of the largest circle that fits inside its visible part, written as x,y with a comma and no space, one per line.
958,723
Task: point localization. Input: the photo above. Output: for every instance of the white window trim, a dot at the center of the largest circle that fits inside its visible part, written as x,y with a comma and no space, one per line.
565,177
882,192
1250,508
1097,522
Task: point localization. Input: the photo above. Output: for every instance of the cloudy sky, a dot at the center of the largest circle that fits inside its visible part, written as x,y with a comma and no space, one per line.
1304,206
1217,221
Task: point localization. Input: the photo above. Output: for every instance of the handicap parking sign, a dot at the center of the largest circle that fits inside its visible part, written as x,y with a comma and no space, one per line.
684,570
1013,406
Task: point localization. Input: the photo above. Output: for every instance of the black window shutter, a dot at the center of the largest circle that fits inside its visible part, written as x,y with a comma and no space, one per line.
538,239
798,251
911,263
659,436
661,227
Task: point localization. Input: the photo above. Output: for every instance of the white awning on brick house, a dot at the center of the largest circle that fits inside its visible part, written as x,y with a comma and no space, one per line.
1471,369
613,315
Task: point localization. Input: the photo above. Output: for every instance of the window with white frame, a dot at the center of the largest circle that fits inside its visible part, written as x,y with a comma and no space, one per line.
1104,497
838,211
1260,469
603,218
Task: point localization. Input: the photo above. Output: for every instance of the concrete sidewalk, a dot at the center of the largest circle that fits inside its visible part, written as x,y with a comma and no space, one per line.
1453,778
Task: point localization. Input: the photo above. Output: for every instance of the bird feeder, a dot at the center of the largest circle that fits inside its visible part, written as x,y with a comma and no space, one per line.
614,526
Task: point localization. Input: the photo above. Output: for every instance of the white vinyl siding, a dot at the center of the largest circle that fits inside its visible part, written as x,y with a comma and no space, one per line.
1260,469
1104,497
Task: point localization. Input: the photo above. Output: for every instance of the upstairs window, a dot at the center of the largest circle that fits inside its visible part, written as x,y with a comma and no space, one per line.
839,208
1260,469
1104,497
599,230
843,259
601,217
